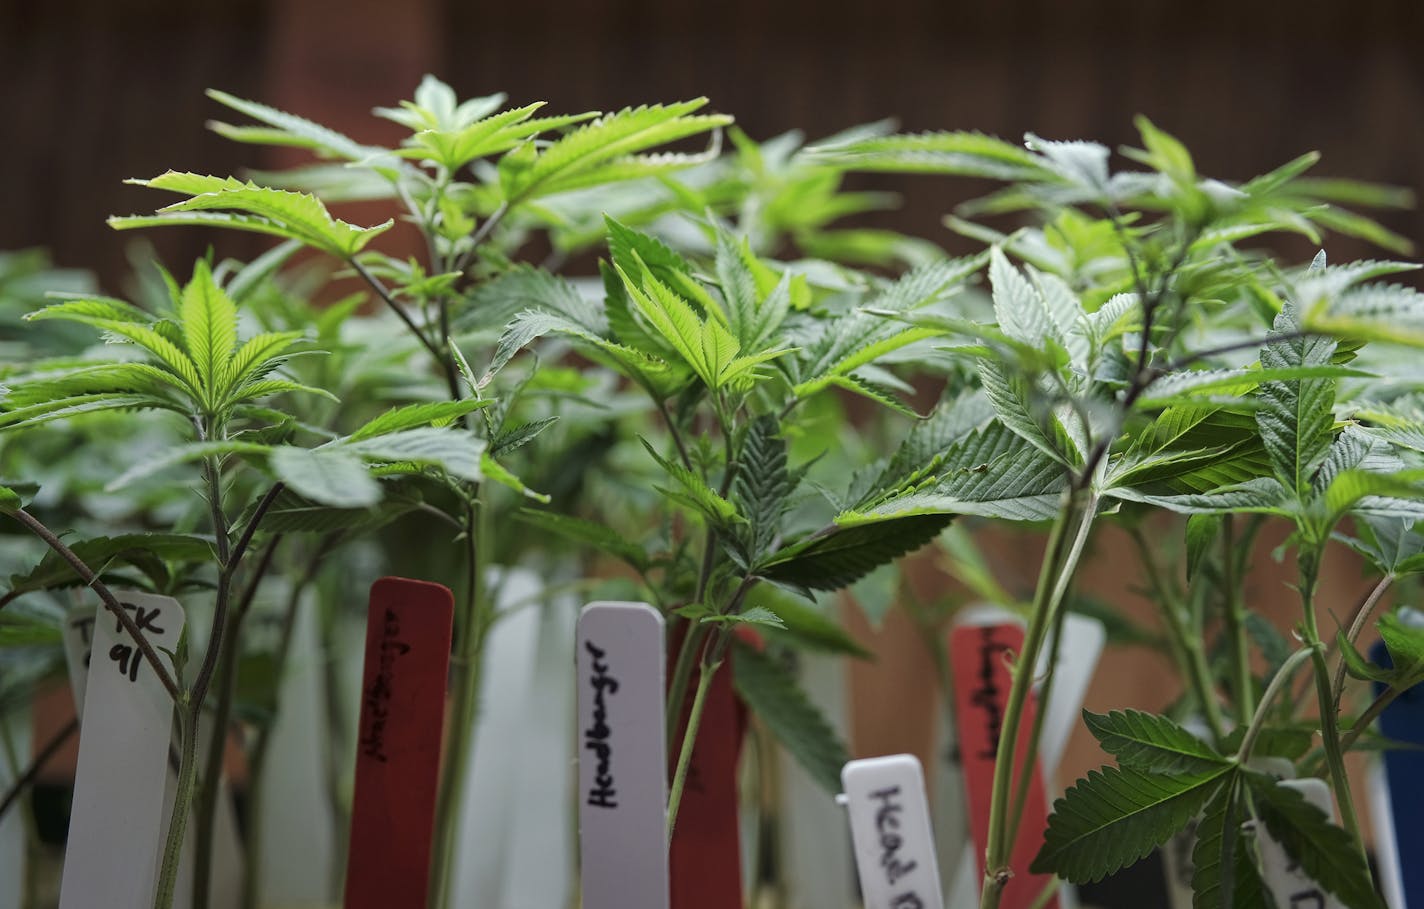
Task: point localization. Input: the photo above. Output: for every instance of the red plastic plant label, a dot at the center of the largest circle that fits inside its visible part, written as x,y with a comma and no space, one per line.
705,853
398,751
982,680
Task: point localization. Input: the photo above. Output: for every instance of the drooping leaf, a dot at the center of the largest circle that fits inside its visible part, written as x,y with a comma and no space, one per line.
1116,816
410,416
586,533
774,696
838,556
1325,852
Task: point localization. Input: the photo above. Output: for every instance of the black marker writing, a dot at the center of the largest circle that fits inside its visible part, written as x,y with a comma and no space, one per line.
378,694
887,826
597,736
986,696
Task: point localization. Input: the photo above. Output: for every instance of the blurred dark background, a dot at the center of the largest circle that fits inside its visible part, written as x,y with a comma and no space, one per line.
99,90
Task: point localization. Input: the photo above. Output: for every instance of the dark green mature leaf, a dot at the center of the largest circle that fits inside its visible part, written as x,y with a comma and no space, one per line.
1155,744
587,533
293,513
839,556
99,553
1295,418
1405,643
19,629
1220,845
773,695
1202,533
1325,852
1117,816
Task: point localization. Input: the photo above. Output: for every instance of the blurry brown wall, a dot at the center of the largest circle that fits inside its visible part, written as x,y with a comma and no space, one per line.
98,90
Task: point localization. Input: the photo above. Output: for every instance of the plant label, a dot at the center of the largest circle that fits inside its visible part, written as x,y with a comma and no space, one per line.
77,636
980,646
408,630
705,854
622,757
1401,794
890,829
1283,877
115,824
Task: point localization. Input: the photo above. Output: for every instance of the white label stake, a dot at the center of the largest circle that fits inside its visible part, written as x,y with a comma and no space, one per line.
890,827
123,762
622,757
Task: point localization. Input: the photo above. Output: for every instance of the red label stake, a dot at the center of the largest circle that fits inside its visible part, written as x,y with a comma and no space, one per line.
398,752
981,693
705,856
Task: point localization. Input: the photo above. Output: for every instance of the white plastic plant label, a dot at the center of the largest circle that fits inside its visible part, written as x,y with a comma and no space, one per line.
77,635
1283,877
622,757
890,829
115,824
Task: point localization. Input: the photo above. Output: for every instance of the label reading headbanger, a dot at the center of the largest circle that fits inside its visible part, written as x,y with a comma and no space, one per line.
622,763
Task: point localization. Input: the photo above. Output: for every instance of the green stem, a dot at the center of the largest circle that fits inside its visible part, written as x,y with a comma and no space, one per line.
1061,559
1234,618
710,665
465,666
1186,643
1362,618
1329,721
182,798
1279,681
257,760
681,676
1386,697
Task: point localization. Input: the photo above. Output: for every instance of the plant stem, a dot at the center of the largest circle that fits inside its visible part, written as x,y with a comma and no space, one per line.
681,675
178,820
1329,722
205,811
1377,706
106,596
1061,559
1279,681
710,664
1362,617
25,778
257,760
465,665
390,301
1186,643
1234,618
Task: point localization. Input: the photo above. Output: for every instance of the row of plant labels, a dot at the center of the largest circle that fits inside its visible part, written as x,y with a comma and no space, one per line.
126,774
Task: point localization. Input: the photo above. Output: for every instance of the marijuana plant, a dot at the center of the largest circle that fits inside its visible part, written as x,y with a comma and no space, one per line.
1115,377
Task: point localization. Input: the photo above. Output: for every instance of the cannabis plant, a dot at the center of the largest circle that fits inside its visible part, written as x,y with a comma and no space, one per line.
1143,358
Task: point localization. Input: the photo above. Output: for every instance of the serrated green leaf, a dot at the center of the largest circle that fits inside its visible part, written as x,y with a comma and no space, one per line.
775,697
1295,418
1151,743
100,553
1220,845
839,556
752,615
1326,853
806,624
297,216
1117,816
185,454
410,416
586,533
